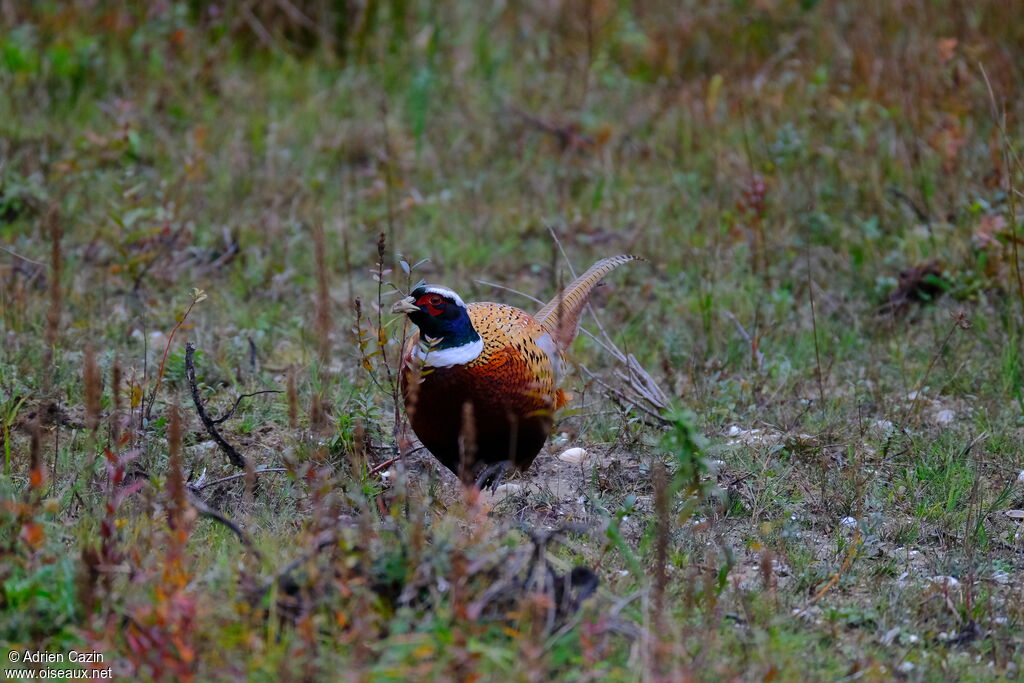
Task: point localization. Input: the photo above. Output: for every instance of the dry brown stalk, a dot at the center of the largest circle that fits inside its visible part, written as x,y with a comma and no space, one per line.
197,296
293,400
322,323
93,388
317,417
175,479
55,295
115,394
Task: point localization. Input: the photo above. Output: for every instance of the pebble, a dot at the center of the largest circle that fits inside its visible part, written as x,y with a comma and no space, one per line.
202,447
573,455
499,494
848,522
947,581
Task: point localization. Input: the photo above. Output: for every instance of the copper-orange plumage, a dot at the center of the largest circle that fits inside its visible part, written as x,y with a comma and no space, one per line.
480,382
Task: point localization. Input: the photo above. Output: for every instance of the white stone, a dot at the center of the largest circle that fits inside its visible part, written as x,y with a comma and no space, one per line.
575,456
944,417
890,636
947,581
848,522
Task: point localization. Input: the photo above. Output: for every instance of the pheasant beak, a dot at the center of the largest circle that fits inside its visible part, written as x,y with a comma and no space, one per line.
406,305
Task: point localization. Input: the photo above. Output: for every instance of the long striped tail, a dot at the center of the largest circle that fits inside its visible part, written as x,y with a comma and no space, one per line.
560,317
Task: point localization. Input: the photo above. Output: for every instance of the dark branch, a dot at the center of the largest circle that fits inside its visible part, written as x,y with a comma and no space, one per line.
920,213
323,540
234,456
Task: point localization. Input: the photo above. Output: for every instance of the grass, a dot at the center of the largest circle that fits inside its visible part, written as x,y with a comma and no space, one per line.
780,164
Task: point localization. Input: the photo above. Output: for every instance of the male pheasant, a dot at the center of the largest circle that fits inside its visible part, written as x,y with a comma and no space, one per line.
480,382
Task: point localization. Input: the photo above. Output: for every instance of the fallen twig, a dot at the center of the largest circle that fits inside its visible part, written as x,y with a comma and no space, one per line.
643,384
205,510
388,463
323,540
238,400
234,456
629,401
752,343
847,561
200,486
920,213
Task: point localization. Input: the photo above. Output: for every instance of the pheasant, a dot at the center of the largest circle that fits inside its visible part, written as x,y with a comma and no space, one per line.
480,381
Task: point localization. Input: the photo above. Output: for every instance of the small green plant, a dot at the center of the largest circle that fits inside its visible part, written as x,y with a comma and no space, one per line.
8,415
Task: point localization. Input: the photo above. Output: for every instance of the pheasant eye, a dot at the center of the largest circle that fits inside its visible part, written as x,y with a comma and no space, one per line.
435,300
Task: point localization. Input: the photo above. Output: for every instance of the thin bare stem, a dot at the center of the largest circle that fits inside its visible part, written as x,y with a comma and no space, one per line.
959,322
22,258
814,330
509,289
238,400
197,296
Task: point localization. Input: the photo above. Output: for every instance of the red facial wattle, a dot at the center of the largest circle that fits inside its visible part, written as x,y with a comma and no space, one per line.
433,303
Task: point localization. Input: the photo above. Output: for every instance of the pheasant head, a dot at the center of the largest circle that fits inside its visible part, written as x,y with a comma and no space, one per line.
447,336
